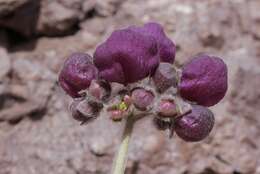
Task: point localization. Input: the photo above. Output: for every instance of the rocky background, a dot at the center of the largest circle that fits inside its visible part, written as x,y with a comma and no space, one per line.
37,134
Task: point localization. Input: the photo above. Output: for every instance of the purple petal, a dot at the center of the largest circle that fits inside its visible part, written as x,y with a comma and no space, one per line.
204,80
196,125
126,57
166,47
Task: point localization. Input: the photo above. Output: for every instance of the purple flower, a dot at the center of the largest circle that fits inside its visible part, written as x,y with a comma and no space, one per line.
196,125
126,57
132,54
166,47
77,73
204,80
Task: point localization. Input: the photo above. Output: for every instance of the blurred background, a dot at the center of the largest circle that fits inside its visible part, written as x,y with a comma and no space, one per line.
37,134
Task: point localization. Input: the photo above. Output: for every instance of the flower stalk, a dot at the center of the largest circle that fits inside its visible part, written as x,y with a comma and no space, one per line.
119,163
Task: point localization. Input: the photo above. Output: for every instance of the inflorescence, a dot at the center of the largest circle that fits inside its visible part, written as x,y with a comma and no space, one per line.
132,74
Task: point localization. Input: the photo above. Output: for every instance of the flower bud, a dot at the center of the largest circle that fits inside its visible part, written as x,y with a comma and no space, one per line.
95,90
81,112
142,98
164,77
204,80
196,125
127,100
77,73
167,108
117,115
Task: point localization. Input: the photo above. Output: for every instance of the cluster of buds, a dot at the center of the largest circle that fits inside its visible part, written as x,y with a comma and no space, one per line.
132,74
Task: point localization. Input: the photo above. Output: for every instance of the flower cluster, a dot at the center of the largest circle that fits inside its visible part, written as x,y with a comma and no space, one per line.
132,74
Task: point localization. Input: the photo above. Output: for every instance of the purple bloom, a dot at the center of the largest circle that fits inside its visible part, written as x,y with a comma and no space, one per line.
166,47
196,125
77,73
132,54
126,57
204,80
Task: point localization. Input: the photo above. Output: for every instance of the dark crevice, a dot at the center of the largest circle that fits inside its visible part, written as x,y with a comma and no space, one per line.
208,171
71,31
91,14
19,42
219,158
16,38
15,121
236,172
135,167
20,25
38,114
7,99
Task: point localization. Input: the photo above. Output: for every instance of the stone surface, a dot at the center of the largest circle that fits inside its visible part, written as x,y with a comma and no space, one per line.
8,6
55,19
23,19
5,63
43,138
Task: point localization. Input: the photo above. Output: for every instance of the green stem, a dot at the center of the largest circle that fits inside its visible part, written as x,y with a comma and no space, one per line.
119,163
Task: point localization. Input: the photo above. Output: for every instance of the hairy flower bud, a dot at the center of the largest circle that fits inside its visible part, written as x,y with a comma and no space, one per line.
167,108
127,100
99,90
117,115
95,90
142,98
196,125
165,76
77,73
166,47
204,80
82,111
